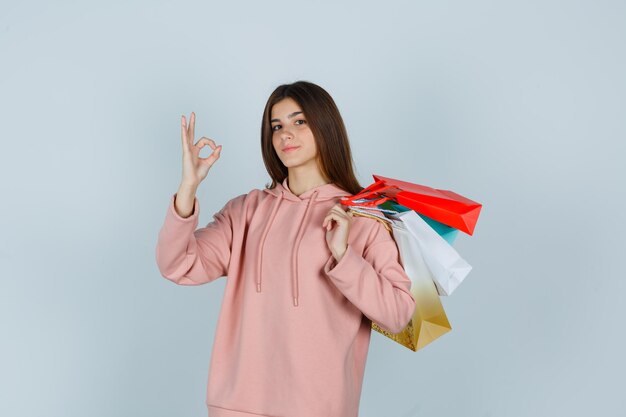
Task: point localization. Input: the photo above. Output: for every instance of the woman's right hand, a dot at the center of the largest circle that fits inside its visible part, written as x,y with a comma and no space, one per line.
195,169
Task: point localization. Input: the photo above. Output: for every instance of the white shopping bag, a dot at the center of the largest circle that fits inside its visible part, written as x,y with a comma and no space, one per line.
444,262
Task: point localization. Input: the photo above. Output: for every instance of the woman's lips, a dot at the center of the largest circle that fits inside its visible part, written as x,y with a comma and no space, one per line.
290,149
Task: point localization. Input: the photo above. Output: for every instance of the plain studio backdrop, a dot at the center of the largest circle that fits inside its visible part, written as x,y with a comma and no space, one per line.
517,105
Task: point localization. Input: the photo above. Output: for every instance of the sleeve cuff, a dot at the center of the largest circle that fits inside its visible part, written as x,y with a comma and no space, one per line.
334,268
192,217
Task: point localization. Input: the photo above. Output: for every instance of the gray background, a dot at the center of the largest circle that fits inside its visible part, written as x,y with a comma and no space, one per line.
517,105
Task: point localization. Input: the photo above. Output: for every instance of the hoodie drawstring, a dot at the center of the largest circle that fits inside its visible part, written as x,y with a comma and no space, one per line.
267,228
294,256
294,261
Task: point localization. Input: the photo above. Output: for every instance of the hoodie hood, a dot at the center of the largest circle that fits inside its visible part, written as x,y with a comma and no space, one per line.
283,195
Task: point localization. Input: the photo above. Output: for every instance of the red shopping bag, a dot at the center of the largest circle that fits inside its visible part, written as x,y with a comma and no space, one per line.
445,206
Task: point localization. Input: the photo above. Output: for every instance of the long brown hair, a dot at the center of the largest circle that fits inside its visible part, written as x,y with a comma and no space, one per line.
331,138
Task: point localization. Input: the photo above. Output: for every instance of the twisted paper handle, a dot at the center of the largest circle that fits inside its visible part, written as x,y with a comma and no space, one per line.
374,189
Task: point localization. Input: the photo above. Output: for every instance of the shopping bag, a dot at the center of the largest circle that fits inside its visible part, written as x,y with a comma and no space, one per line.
435,238
444,206
449,234
447,267
429,320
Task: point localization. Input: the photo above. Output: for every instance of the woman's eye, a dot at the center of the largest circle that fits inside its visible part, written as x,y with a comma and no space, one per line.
299,120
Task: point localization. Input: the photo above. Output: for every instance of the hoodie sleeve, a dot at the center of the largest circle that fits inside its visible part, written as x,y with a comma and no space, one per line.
187,256
376,282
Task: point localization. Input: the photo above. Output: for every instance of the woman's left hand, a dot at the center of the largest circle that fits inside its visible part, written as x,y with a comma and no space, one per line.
337,236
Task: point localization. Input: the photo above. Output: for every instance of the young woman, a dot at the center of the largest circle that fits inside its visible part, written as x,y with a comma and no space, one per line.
304,277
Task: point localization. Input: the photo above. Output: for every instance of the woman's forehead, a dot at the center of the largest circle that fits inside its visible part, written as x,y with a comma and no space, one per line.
285,109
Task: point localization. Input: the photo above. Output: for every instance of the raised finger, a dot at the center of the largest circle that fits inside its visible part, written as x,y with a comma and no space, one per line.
192,126
183,132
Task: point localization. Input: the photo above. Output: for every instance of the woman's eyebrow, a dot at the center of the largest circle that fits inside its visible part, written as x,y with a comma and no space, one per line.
289,116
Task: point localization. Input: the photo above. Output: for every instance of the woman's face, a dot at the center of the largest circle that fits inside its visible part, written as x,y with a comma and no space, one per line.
290,129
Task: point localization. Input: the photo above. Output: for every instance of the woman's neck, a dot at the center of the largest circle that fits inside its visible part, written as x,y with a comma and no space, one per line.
302,184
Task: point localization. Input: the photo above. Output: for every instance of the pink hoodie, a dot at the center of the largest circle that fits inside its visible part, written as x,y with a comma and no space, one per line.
294,326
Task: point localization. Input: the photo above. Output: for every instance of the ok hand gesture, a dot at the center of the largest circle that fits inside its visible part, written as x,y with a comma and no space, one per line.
195,169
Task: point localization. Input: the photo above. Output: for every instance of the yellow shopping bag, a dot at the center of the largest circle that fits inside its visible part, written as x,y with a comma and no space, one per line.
429,320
